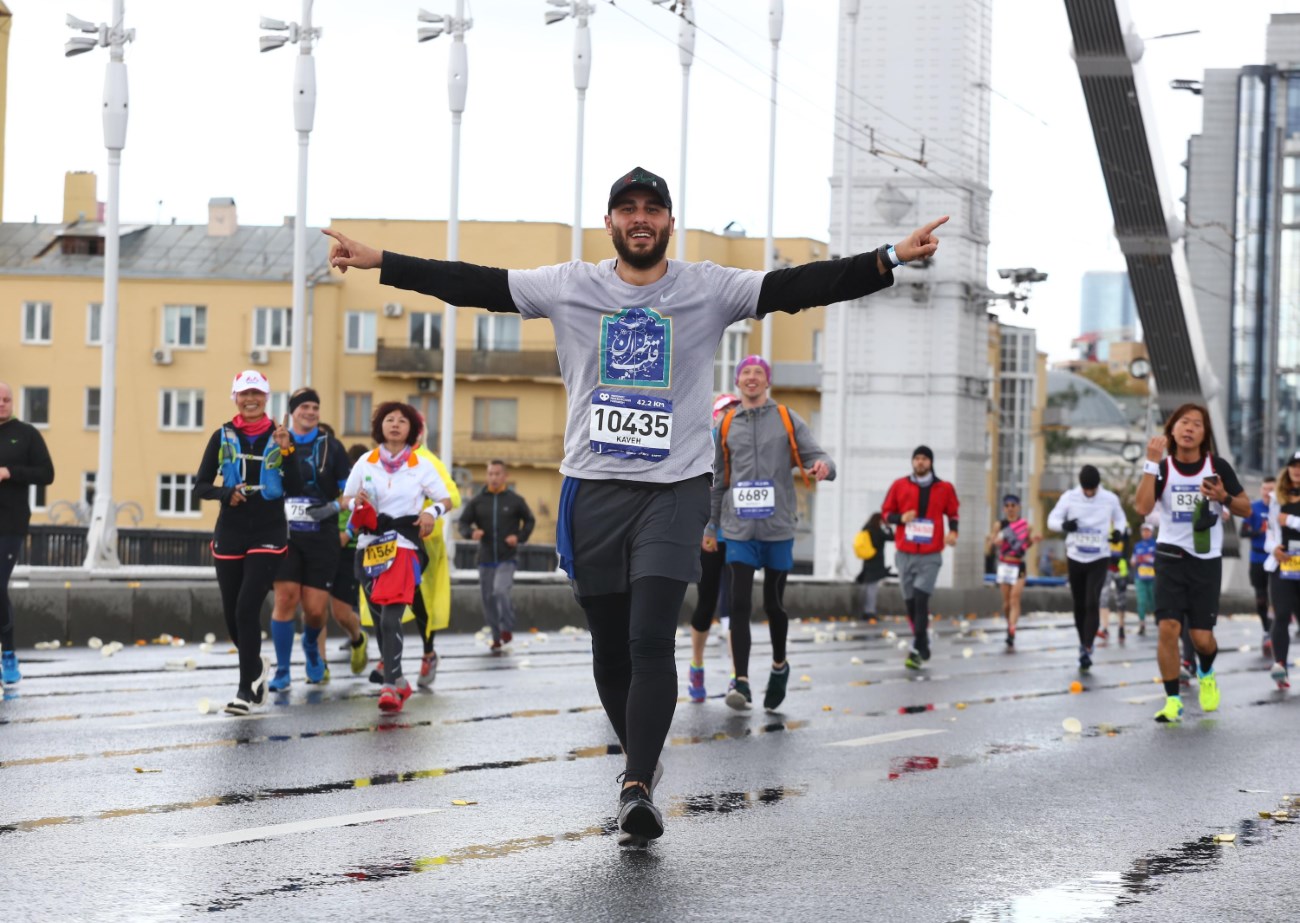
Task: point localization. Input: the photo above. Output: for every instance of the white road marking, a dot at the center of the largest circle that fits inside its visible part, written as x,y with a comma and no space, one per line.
302,826
887,738
217,714
1144,699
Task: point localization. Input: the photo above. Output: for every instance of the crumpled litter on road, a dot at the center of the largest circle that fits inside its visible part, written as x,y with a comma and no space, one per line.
1072,726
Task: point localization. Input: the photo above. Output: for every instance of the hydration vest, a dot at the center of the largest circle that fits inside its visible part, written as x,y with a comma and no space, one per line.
234,465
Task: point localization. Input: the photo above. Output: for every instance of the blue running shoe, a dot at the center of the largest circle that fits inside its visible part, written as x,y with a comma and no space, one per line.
1085,659
10,673
279,682
315,662
695,688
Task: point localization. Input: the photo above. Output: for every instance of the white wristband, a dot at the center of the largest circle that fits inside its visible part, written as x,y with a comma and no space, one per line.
1151,468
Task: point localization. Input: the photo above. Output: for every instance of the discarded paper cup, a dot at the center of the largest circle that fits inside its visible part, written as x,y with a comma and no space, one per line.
1072,725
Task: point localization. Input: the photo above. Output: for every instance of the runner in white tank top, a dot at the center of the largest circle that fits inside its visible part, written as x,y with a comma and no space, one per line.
1190,488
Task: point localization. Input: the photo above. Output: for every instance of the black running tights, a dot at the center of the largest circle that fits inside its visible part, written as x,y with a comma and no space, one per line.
10,546
713,569
742,603
1086,582
632,644
422,621
1286,603
244,583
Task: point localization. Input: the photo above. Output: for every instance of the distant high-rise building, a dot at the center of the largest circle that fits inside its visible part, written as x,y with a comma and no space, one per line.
1243,243
1107,313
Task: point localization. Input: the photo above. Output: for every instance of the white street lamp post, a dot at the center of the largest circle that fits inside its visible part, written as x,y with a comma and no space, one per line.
304,115
101,537
686,54
839,561
579,10
775,21
457,89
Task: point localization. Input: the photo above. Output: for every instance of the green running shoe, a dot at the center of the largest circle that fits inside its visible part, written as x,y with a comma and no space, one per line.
1209,692
359,656
913,661
1172,713
775,693
738,696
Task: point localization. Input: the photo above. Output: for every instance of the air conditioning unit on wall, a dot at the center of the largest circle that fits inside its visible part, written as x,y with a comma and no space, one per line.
393,309
259,356
162,356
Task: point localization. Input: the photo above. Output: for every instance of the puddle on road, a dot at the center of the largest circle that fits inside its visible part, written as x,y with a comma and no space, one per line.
384,779
701,805
1093,898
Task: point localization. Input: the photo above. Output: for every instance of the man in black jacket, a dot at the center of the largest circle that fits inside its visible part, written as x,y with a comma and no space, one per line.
24,461
499,520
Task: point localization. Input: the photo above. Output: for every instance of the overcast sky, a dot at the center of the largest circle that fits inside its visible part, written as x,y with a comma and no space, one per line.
210,116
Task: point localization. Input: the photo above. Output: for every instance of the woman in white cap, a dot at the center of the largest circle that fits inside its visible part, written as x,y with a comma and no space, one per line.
252,535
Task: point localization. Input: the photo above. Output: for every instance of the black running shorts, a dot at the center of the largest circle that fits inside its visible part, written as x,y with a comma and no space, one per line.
624,531
346,586
1187,586
311,560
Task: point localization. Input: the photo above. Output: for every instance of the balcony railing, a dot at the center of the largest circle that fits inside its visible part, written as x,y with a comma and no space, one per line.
470,449
408,361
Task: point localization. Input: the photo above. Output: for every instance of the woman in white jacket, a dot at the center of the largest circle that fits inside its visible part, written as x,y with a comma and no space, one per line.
1091,518
386,491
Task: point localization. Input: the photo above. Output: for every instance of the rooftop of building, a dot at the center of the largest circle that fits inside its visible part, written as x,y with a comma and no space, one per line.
167,251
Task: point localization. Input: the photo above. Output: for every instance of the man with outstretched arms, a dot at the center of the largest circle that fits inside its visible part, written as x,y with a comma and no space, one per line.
1091,518
635,337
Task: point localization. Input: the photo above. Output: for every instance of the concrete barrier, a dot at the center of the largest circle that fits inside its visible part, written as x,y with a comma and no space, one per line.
74,611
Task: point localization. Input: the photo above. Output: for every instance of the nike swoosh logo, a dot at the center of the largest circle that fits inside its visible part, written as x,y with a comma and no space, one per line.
667,297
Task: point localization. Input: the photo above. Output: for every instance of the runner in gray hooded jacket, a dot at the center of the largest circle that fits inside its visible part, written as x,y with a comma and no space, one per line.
754,504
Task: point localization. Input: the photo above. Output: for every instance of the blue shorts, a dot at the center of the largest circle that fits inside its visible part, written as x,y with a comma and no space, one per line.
762,555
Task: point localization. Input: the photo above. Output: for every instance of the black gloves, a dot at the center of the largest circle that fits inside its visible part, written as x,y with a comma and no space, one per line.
320,512
1205,517
1116,536
1070,525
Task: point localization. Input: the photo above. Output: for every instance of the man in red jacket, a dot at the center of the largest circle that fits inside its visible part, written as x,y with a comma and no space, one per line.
916,505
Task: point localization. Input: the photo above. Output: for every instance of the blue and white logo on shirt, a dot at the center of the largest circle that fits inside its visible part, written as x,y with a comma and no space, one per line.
636,349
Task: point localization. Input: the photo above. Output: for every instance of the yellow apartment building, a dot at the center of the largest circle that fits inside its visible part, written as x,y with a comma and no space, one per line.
199,303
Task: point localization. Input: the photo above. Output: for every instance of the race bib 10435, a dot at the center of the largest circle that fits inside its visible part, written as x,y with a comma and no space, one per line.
631,425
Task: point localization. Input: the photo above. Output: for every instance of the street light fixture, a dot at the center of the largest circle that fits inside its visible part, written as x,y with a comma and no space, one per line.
101,536
580,10
304,114
457,90
1021,278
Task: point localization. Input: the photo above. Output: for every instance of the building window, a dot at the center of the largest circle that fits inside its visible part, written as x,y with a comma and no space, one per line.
185,326
182,409
36,321
36,497
94,322
735,340
498,332
176,495
427,405
359,333
272,328
277,405
356,413
36,406
88,487
495,417
92,408
426,330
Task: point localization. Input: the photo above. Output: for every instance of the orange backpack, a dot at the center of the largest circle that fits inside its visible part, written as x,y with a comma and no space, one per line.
789,432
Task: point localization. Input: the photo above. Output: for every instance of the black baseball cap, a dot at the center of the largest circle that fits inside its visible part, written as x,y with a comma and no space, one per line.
1295,458
640,178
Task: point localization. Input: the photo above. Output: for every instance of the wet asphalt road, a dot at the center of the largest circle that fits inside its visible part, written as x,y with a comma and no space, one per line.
875,795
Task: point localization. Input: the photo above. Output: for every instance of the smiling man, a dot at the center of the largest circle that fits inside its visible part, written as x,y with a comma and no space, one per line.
636,336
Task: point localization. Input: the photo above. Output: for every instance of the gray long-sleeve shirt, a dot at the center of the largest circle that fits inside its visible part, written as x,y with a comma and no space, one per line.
760,451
